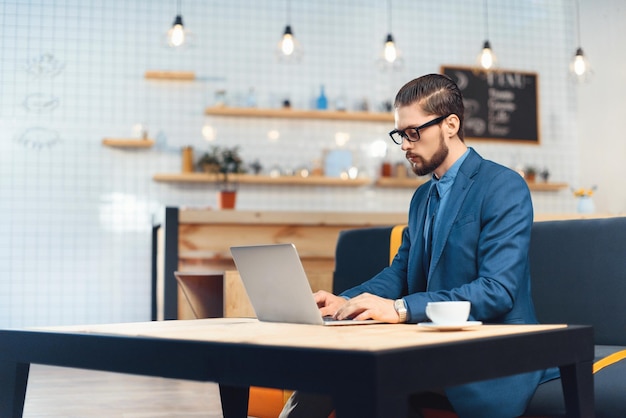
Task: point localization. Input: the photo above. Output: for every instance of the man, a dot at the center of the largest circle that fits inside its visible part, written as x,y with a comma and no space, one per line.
467,239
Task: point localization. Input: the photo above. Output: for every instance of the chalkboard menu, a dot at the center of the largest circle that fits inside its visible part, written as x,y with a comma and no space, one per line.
499,105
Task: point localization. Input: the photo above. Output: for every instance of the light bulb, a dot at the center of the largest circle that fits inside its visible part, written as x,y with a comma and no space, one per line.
176,34
287,44
273,135
208,132
390,52
289,49
579,65
342,138
487,58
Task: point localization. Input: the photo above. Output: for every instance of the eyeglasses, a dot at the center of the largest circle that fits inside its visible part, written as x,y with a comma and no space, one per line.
413,134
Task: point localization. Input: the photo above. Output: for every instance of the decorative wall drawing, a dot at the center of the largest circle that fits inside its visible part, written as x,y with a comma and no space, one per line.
44,65
41,102
39,137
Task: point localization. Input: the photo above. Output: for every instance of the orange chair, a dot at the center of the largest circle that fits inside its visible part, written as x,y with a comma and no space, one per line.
266,402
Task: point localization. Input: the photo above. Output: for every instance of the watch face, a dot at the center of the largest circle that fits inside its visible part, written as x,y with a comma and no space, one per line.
400,306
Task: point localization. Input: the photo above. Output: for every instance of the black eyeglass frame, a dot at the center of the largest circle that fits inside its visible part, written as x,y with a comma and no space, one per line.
417,129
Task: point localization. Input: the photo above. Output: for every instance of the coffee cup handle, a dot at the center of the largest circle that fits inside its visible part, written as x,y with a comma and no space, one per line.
428,312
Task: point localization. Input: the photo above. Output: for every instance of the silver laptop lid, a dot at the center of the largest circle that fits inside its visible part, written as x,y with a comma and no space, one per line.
276,283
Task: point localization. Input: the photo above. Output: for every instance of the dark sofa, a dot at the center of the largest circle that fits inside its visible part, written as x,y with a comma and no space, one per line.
578,270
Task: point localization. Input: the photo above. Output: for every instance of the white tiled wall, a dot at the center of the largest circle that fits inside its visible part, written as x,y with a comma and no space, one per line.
76,217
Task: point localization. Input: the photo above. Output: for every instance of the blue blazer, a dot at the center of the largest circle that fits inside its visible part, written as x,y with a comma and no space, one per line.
480,254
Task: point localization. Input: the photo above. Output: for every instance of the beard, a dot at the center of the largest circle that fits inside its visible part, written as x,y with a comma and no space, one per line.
421,167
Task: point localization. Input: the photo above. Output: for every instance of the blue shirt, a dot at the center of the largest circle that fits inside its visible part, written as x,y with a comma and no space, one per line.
443,185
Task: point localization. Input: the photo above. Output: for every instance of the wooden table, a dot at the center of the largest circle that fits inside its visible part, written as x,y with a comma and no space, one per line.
381,365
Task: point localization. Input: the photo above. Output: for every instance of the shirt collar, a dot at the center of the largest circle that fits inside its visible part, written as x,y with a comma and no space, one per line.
445,183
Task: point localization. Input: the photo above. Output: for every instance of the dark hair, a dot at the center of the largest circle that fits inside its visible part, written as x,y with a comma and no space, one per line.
436,94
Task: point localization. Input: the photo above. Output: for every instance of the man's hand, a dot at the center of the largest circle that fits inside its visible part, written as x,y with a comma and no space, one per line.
368,306
328,303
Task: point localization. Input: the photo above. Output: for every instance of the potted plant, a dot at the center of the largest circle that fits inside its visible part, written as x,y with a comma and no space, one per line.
585,201
230,163
209,162
223,162
530,173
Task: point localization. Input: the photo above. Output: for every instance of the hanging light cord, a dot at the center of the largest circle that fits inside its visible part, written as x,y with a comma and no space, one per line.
289,12
487,20
578,22
178,7
389,15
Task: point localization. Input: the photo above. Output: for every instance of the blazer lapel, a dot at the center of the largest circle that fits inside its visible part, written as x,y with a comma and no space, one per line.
416,268
459,190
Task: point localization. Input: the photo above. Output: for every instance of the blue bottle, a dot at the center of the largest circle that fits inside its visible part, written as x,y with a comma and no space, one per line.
322,101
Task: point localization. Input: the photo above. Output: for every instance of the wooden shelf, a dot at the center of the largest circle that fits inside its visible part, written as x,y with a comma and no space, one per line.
384,182
408,182
253,112
546,187
128,142
252,179
203,216
170,75
416,182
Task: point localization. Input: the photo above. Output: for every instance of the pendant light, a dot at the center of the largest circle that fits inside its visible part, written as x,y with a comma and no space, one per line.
177,36
579,67
289,48
487,59
391,56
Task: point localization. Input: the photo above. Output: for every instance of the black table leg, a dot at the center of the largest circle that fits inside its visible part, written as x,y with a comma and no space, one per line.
13,381
577,383
370,406
234,401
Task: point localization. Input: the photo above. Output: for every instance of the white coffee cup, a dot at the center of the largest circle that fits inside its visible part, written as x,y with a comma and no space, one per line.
448,312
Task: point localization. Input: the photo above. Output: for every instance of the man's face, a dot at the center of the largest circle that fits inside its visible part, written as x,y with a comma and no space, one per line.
430,152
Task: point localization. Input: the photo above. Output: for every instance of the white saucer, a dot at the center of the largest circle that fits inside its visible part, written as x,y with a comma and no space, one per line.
450,327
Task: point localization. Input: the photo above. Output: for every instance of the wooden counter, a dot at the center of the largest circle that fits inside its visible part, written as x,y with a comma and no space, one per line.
192,240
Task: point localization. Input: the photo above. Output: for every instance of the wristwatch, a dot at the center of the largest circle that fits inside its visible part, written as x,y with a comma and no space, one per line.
400,307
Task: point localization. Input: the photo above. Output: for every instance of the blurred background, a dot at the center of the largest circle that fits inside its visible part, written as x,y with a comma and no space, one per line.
76,216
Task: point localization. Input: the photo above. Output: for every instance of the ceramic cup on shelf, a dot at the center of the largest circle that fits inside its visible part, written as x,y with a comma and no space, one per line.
448,312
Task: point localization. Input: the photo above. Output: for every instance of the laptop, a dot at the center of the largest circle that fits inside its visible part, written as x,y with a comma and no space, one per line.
277,286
